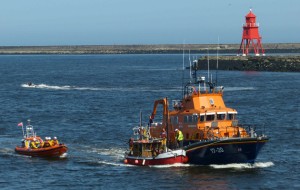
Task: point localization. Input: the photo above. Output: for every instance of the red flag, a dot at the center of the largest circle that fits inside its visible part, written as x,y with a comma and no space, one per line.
20,124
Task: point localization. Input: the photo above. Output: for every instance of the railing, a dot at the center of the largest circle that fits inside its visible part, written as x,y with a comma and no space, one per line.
253,130
251,25
203,90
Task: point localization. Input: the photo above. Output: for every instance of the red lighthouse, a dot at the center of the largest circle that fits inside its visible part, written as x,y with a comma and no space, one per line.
251,36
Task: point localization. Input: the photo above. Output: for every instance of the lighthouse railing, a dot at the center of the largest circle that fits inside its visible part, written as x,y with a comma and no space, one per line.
251,25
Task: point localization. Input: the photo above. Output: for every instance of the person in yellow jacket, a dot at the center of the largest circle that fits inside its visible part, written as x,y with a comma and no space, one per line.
26,143
33,144
55,141
163,135
179,138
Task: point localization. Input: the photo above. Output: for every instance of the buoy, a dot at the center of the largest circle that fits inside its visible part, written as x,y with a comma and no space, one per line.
136,161
125,161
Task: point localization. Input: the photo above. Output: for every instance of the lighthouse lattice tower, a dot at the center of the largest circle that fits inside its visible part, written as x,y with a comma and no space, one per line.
251,36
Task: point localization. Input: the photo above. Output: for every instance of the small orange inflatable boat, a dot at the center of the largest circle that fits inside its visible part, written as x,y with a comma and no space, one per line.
35,146
53,151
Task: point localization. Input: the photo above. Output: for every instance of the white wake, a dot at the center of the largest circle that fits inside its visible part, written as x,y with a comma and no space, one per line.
244,166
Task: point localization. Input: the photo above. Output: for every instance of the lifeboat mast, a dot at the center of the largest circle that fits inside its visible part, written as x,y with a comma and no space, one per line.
194,79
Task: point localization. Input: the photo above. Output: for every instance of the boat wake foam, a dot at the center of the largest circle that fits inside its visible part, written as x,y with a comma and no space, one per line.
171,165
244,166
120,89
64,155
112,163
6,151
108,152
45,86
106,156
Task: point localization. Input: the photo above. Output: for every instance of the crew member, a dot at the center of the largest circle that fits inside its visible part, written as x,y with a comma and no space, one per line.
23,142
55,141
150,120
46,143
33,144
163,135
26,143
50,141
37,143
130,142
142,132
179,138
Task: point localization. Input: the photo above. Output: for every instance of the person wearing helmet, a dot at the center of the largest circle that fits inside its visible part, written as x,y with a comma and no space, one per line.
47,143
54,141
179,138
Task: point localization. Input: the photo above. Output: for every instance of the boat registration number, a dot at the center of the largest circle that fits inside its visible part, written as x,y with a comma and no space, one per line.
216,150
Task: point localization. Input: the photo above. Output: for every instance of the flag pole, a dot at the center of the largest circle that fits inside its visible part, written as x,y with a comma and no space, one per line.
23,130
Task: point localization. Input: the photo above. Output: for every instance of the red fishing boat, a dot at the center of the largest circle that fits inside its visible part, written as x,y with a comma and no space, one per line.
35,146
148,151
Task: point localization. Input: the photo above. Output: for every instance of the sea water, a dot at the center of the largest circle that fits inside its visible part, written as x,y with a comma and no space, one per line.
92,102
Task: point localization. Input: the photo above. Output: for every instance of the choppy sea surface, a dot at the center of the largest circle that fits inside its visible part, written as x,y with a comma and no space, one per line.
92,102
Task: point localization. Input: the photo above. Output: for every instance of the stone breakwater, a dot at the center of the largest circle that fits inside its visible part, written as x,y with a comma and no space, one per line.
145,49
251,63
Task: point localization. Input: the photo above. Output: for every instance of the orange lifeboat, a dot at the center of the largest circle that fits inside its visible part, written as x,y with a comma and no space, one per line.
212,133
35,146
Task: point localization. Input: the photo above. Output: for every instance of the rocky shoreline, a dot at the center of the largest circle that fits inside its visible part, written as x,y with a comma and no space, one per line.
251,63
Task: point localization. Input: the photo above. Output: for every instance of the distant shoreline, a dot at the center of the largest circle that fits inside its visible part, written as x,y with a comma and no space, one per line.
144,49
285,58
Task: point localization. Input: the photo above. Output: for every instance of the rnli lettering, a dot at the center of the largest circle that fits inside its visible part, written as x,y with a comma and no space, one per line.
216,150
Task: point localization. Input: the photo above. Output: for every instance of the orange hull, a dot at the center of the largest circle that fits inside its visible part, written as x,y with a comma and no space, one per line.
54,151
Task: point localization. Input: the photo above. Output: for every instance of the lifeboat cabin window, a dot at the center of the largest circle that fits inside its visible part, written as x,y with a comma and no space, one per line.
221,116
174,120
210,117
190,119
231,116
202,118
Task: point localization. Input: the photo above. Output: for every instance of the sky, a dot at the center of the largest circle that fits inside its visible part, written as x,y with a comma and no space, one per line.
130,22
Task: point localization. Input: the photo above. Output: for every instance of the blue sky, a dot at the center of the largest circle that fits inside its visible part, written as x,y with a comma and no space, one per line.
108,22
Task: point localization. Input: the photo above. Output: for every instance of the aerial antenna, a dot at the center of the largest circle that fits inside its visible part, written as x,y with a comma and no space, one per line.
208,64
183,55
183,69
217,62
141,118
190,66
